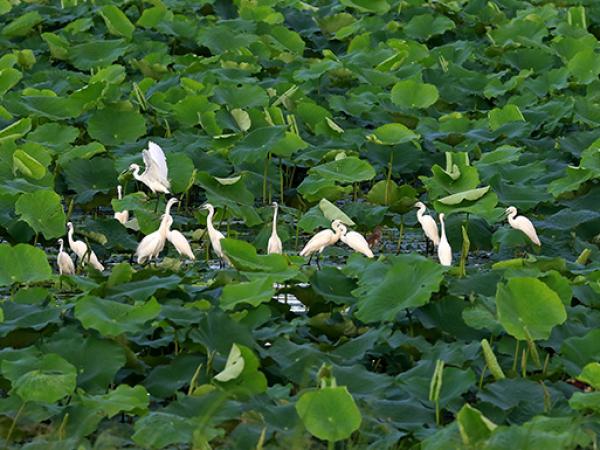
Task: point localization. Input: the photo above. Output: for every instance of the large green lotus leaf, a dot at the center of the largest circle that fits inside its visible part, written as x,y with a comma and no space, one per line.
414,94
498,117
22,25
244,96
584,66
329,413
290,144
54,135
255,292
586,401
122,399
386,289
221,38
557,433
288,38
15,130
117,22
26,164
43,211
217,331
528,308
181,172
591,375
368,6
240,376
9,77
426,25
471,195
230,195
113,318
255,146
23,263
484,207
345,170
188,110
164,380
46,379
161,429
578,351
81,152
332,212
89,177
244,258
392,134
97,360
387,193
49,106
333,286
22,316
474,427
96,53
113,126
141,289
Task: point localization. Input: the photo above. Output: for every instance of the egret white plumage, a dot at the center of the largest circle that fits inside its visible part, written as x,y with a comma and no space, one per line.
523,224
175,237
64,261
322,240
121,216
214,235
355,241
150,247
274,245
156,173
444,250
428,224
80,248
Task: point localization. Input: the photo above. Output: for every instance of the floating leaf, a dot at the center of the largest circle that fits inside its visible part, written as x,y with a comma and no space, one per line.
414,94
113,126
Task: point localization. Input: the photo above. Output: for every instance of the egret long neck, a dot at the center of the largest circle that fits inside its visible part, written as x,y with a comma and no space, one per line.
443,226
136,173
60,248
511,216
421,211
70,237
274,232
209,223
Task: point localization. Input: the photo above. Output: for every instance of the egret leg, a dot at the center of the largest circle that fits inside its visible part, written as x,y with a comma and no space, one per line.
318,265
310,259
221,265
157,201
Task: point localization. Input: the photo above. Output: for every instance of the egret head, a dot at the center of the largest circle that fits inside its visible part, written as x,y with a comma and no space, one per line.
510,210
70,225
120,189
274,204
134,167
419,205
342,228
172,201
336,223
207,206
442,216
60,242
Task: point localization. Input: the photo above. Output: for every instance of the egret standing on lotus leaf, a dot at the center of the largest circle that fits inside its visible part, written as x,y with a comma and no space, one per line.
84,254
444,249
64,261
121,216
214,235
321,241
150,247
274,245
429,226
523,224
355,241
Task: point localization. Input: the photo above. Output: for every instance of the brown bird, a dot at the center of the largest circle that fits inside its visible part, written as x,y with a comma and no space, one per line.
375,237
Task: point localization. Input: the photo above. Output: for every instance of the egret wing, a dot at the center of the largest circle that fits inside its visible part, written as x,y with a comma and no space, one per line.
180,243
160,161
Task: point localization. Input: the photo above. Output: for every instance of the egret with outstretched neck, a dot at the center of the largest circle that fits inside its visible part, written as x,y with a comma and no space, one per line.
321,241
80,248
429,226
274,245
121,216
522,224
64,261
150,247
444,249
214,235
355,241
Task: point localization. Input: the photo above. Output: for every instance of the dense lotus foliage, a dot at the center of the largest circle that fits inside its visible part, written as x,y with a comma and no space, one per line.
336,109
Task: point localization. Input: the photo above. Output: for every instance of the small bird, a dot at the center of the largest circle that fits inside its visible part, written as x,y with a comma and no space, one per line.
214,235
156,173
374,238
121,216
84,254
64,261
274,245
355,241
444,250
322,240
523,224
429,226
150,247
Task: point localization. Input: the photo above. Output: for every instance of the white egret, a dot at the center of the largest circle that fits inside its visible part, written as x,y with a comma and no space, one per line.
429,226
64,261
523,224
84,254
121,216
150,247
214,235
274,245
322,240
175,237
156,173
355,241
444,250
